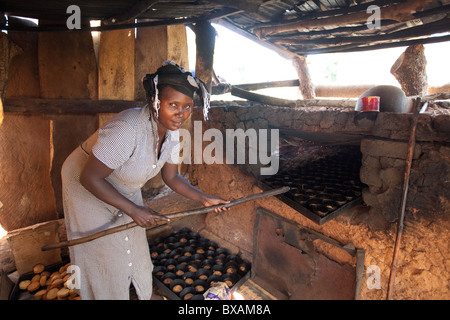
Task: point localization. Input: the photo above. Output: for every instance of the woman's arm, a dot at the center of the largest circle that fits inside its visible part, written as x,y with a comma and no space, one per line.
93,176
180,185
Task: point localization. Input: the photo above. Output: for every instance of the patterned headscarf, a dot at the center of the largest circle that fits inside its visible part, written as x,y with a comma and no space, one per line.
175,76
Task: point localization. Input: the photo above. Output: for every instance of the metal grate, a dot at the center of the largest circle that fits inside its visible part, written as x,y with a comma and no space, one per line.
321,189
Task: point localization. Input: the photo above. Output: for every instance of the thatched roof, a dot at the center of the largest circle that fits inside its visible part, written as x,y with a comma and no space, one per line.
291,27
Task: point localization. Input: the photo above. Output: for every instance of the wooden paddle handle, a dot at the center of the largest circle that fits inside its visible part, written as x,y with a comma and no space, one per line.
133,224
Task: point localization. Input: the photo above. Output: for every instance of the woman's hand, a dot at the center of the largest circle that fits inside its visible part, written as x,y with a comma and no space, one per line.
93,178
146,217
209,201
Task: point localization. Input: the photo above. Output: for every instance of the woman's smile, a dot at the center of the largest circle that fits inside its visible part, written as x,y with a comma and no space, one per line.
177,123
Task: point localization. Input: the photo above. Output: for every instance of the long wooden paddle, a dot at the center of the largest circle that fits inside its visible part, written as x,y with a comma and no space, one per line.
133,224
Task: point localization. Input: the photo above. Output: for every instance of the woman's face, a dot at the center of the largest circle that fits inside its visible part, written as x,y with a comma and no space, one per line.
175,108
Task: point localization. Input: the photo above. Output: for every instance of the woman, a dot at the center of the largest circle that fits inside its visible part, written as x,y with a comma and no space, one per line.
102,180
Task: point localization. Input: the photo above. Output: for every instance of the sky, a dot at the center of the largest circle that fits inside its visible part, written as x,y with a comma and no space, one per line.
239,60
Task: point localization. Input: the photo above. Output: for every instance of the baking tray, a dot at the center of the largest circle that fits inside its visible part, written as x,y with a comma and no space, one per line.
17,294
173,296
320,220
173,248
332,181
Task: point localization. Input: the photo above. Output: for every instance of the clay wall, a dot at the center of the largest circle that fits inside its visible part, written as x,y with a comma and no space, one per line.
55,65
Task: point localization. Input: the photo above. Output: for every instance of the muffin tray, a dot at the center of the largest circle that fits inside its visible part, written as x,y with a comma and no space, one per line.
185,265
320,191
17,294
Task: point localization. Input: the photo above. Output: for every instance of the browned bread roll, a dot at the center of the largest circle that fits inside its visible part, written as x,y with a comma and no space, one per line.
38,268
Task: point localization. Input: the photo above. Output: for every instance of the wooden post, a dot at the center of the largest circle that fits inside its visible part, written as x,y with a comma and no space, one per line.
410,70
24,68
1,112
67,69
306,85
205,41
7,51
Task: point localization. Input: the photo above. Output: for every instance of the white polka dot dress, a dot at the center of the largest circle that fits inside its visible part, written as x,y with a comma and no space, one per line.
108,265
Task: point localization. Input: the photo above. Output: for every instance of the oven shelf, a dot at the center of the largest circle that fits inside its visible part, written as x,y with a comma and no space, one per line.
184,257
321,190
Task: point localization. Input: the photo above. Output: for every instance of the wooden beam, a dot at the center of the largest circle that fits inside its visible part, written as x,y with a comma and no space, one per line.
331,91
306,84
357,48
205,40
67,106
305,103
442,24
261,98
59,28
8,50
400,12
77,106
270,84
136,10
323,14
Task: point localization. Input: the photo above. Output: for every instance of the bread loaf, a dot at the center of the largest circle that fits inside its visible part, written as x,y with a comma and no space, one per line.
38,268
37,277
57,283
62,293
40,294
52,293
23,285
43,280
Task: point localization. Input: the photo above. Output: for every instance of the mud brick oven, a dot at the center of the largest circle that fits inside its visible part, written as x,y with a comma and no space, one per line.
296,251
383,143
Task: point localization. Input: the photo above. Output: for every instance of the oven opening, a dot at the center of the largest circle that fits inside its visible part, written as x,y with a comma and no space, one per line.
324,179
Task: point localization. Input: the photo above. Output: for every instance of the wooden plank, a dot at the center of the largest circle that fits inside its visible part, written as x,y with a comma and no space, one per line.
172,45
69,131
24,68
67,65
7,51
136,10
25,186
400,31
358,48
177,50
148,56
67,106
6,286
26,244
177,46
116,65
398,12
